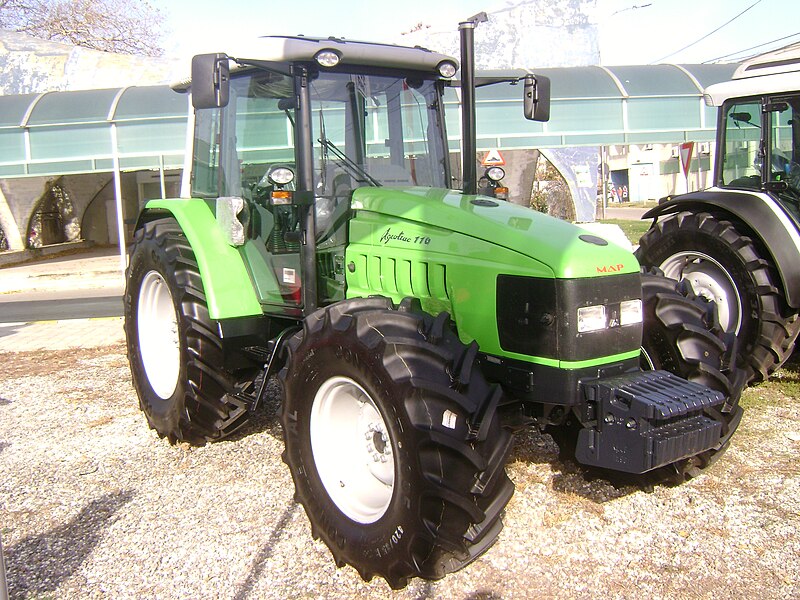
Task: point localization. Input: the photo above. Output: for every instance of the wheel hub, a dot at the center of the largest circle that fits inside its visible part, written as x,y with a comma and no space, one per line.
159,342
710,280
378,443
352,450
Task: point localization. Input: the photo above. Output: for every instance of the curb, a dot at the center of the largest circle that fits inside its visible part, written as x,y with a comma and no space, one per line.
61,335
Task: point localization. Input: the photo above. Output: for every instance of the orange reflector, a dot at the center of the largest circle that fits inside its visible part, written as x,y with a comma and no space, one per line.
281,197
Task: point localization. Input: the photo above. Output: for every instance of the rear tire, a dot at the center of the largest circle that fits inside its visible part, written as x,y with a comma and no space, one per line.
724,265
393,440
174,351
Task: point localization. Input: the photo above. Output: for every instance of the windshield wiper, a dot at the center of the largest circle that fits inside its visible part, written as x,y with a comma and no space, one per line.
356,171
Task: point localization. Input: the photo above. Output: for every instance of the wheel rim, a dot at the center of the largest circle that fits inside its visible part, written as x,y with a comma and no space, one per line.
159,345
709,280
352,450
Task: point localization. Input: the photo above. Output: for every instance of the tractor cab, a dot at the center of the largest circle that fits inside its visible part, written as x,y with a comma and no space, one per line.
286,130
293,126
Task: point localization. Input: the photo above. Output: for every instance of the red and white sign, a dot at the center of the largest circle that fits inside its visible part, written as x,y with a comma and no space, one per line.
687,148
493,158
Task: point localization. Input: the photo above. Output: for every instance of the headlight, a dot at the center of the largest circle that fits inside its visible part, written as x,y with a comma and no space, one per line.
495,173
591,318
630,312
327,58
281,175
446,69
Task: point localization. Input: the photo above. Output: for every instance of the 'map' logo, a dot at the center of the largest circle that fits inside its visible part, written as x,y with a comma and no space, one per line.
610,268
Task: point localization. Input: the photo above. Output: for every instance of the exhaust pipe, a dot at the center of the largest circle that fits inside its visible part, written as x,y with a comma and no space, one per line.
469,144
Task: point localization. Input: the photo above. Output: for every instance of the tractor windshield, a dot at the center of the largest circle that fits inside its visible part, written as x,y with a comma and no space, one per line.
761,145
741,149
366,130
375,130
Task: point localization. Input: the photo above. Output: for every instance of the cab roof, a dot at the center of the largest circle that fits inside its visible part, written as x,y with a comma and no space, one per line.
289,49
770,73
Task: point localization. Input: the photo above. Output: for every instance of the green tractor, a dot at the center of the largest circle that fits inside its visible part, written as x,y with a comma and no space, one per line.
413,328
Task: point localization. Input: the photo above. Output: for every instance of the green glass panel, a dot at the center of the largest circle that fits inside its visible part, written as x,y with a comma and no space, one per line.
13,108
150,102
711,113
580,116
131,163
702,135
655,137
538,141
709,74
73,107
151,136
572,82
70,142
581,82
654,80
594,139
62,167
11,170
497,118
12,145
663,113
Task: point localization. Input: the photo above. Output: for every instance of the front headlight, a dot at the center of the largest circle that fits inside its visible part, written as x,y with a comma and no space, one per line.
630,312
446,69
591,318
327,58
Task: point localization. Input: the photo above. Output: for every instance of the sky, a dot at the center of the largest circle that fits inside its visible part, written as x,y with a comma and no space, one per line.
630,31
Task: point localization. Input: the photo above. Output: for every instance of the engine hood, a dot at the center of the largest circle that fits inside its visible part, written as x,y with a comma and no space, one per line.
569,251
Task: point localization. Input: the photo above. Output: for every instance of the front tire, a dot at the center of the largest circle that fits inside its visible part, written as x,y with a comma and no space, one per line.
393,440
725,266
682,335
174,351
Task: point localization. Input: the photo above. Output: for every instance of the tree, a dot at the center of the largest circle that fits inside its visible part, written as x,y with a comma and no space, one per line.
106,25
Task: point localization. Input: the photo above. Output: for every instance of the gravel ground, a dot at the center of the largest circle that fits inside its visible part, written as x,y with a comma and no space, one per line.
94,505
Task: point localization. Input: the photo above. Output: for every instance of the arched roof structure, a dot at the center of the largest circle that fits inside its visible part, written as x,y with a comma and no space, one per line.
596,105
145,127
84,131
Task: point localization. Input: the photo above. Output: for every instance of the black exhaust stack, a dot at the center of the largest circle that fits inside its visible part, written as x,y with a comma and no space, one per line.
469,170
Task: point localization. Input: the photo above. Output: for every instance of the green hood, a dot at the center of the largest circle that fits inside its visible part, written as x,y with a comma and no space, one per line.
568,250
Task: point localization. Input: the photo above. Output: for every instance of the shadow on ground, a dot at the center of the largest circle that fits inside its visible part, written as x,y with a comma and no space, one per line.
39,564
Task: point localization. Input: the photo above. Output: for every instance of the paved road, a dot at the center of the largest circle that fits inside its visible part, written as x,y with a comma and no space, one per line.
19,311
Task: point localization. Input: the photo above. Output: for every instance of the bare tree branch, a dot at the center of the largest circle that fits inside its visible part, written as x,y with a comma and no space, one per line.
106,25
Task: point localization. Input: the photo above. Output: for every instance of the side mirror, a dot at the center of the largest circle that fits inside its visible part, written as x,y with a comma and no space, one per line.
536,97
210,81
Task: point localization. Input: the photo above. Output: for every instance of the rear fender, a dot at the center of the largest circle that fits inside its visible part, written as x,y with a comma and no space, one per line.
765,220
226,282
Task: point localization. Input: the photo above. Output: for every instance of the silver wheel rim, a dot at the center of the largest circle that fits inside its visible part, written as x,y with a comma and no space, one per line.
352,450
709,280
159,345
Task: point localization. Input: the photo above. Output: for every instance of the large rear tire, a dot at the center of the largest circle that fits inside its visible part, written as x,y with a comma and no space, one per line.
725,266
174,350
393,440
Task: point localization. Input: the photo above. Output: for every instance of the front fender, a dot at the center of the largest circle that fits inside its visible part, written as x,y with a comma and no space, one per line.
226,282
765,219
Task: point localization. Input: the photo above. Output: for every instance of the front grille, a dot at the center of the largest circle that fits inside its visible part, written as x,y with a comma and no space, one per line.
538,317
